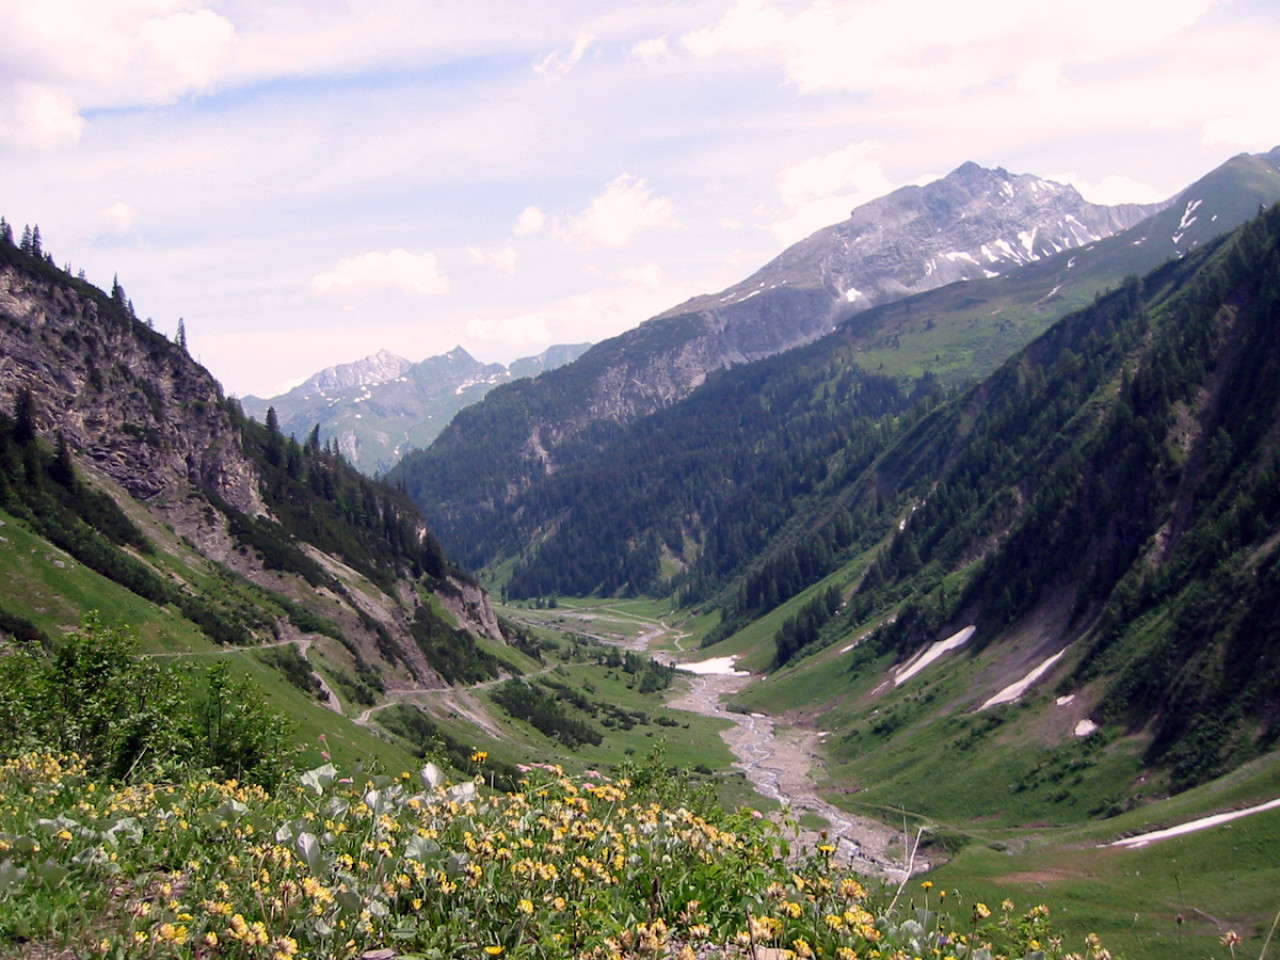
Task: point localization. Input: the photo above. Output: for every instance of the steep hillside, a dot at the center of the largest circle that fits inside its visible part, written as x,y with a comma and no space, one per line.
1098,519
136,486
378,408
643,507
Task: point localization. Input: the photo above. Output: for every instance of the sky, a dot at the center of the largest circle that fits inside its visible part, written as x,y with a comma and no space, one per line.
305,182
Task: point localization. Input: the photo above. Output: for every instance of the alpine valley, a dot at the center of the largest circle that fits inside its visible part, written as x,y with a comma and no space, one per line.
978,489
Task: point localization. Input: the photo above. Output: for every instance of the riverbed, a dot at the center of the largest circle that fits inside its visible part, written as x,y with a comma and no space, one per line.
777,761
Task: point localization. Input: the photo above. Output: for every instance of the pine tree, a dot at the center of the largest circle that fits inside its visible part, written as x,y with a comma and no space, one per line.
25,244
61,470
24,417
36,249
6,232
181,337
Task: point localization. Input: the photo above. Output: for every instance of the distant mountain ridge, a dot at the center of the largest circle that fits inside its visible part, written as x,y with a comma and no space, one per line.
379,407
500,481
971,224
960,227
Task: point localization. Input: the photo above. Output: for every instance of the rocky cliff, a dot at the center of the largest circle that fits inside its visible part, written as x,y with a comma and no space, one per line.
133,403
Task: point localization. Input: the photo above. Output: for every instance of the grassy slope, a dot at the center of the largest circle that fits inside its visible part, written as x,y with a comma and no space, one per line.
55,592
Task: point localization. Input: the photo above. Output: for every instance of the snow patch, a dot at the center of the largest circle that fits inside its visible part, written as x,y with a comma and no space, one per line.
1063,701
991,274
852,294
933,653
1085,727
716,666
1187,218
1142,839
1015,690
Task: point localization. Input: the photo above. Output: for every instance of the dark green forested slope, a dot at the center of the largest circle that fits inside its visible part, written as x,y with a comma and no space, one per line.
1122,471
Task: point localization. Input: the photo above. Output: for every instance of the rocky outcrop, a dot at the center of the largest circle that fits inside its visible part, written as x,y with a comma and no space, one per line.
127,399
470,607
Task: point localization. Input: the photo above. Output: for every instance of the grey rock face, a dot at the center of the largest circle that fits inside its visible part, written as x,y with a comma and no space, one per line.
135,404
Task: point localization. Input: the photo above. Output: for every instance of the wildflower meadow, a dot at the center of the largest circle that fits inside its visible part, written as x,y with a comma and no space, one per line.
410,866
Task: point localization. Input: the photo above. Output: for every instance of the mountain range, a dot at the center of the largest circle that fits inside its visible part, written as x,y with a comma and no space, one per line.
1080,504
499,482
378,408
986,501
1080,501
133,488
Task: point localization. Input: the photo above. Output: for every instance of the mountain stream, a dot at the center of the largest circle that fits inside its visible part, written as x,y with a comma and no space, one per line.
777,764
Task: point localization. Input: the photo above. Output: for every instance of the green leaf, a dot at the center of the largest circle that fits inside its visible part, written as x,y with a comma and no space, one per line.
52,873
11,875
309,849
319,778
422,849
432,776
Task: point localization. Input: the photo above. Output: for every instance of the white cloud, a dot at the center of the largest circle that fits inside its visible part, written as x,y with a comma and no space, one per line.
626,207
880,45
749,27
118,217
558,64
531,220
1111,190
67,56
643,275
503,260
37,117
416,274
529,328
651,50
822,190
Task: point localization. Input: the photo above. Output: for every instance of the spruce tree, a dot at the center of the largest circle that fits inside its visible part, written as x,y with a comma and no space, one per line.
24,417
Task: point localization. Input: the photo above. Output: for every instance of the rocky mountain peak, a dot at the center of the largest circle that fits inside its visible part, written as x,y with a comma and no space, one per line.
379,367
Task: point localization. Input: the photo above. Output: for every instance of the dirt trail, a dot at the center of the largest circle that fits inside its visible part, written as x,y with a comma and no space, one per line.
777,763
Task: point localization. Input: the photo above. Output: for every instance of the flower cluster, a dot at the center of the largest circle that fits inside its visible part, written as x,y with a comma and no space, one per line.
332,868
